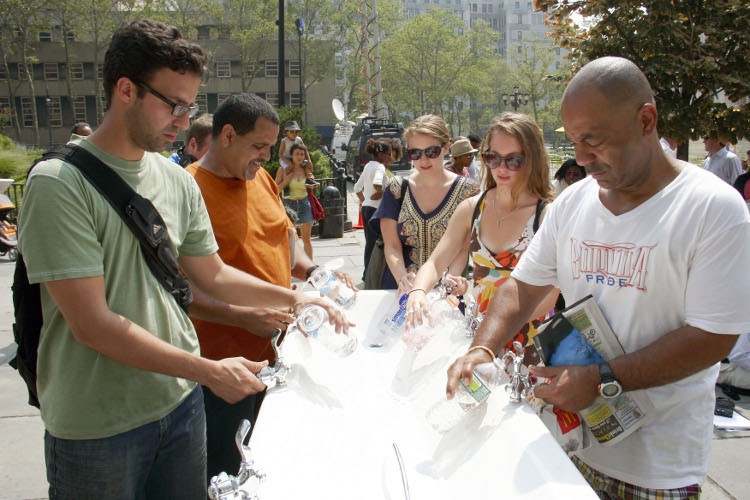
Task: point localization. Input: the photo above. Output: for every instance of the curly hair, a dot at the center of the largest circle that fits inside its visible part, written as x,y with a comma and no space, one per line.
375,146
142,47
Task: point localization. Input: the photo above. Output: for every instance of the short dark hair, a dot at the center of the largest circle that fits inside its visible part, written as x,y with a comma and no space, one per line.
78,126
142,47
295,147
474,137
241,111
201,128
567,165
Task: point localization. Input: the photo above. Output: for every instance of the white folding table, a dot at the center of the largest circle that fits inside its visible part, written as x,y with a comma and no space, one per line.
329,433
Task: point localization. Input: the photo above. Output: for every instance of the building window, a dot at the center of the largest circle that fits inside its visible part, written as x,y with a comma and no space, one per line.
518,5
520,36
473,7
519,49
294,99
3,73
55,112
520,19
202,101
528,5
224,33
79,109
51,71
223,69
484,8
489,8
204,32
272,98
103,102
100,71
22,71
70,36
76,71
293,68
222,96
45,36
272,69
27,112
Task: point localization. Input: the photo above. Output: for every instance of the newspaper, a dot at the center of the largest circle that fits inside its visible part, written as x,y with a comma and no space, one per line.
608,420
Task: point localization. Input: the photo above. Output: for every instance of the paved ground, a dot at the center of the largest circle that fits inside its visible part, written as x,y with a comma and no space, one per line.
22,472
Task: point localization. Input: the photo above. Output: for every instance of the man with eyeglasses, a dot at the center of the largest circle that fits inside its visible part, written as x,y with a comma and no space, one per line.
664,248
118,356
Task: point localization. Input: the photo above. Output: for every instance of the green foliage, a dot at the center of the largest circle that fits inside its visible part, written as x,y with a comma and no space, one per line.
6,143
691,51
16,161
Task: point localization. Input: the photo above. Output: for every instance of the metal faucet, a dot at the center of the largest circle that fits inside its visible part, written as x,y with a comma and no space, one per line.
226,487
520,383
275,375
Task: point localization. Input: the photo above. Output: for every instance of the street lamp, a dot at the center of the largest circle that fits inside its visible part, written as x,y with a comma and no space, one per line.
516,99
300,24
48,102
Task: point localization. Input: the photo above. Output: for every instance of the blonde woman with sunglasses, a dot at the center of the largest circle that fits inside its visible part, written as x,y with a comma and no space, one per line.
412,227
497,225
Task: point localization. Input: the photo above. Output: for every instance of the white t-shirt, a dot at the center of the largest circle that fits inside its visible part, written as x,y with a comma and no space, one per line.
740,354
682,257
372,175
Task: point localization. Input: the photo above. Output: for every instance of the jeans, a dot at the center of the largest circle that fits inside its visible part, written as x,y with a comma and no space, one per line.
370,235
222,421
161,459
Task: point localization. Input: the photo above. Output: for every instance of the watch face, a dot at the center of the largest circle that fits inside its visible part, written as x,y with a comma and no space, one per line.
611,390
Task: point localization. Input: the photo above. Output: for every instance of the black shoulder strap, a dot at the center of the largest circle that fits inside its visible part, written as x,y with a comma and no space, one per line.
404,189
537,218
139,215
476,208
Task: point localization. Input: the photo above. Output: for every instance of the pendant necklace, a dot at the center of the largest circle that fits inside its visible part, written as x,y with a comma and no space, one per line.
494,207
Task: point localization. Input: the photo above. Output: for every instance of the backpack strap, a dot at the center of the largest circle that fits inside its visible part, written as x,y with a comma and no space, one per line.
138,213
404,189
538,217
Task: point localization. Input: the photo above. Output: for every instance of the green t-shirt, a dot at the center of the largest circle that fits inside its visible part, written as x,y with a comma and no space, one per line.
68,230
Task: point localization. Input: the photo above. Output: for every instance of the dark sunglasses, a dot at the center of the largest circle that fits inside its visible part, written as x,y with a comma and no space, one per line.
514,162
178,110
432,152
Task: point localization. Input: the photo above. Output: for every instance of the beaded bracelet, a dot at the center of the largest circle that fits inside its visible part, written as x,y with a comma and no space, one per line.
482,348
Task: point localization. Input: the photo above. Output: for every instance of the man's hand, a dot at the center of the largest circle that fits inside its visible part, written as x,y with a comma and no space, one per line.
346,279
570,388
262,321
463,368
233,379
335,315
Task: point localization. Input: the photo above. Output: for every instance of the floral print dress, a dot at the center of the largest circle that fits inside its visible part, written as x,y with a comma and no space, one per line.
492,269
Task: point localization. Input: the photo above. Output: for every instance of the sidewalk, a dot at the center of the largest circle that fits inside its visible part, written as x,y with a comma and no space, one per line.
22,471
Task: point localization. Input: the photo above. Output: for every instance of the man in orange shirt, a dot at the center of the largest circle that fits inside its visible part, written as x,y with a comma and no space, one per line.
254,235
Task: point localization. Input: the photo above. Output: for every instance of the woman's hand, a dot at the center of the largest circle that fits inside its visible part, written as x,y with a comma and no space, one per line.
406,283
417,308
458,285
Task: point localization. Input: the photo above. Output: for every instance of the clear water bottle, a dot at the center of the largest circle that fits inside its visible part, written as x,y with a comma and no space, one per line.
443,315
392,322
329,285
446,413
313,321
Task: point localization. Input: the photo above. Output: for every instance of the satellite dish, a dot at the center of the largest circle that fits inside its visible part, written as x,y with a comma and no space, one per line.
338,109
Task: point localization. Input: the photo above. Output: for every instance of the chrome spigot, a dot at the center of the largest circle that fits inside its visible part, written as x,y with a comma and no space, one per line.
520,383
275,375
226,487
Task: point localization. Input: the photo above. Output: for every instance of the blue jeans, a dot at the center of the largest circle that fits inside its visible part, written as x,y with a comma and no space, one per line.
162,459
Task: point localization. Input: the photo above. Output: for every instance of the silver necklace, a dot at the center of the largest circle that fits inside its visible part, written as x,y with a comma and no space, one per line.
499,219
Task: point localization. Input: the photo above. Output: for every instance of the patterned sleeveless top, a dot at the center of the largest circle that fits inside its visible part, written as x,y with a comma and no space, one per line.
493,269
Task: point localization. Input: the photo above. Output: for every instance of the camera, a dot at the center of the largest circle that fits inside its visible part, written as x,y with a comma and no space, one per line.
305,163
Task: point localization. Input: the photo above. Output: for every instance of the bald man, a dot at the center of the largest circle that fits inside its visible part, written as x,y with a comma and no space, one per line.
664,248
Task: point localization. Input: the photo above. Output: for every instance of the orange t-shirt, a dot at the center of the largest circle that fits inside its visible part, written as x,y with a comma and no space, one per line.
251,228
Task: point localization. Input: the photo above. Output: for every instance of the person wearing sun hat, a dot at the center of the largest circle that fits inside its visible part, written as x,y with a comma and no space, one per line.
462,153
291,137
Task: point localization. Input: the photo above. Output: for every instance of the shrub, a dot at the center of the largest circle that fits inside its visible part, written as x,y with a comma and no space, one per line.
6,143
14,163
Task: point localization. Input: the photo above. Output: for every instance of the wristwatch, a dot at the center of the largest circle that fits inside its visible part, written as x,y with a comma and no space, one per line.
609,386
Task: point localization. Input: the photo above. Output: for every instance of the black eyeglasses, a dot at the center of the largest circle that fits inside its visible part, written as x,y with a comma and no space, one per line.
513,162
178,110
415,154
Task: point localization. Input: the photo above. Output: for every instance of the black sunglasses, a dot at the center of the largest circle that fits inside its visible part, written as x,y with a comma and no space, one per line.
514,162
432,152
178,110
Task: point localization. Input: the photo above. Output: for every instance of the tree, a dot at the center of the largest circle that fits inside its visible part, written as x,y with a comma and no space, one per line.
692,51
445,69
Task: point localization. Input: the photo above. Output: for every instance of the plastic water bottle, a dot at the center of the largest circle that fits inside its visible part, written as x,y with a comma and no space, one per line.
446,413
313,321
443,315
392,322
329,285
